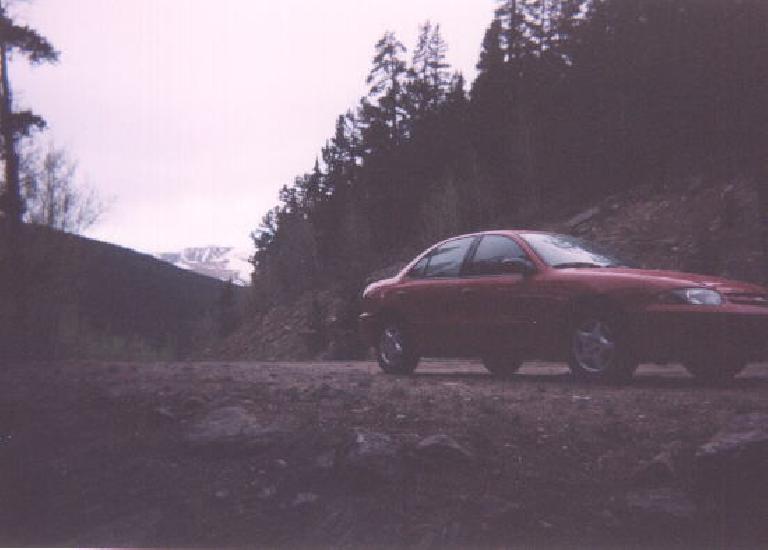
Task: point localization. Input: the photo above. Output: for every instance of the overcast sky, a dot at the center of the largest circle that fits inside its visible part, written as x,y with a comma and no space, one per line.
191,114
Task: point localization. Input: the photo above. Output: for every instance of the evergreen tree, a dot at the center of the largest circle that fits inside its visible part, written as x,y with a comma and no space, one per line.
14,276
428,76
27,42
386,80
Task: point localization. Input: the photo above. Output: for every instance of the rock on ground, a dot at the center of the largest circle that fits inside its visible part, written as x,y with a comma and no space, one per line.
371,457
666,468
662,506
733,466
229,428
442,447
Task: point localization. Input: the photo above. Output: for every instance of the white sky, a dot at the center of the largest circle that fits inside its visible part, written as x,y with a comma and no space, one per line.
191,114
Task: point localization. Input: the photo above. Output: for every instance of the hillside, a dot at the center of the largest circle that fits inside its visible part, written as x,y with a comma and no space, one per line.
709,227
92,299
712,228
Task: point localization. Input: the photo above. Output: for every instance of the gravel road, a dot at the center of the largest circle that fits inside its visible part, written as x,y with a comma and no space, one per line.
337,454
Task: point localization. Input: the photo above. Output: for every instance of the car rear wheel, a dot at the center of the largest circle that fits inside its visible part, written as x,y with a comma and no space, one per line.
599,350
502,366
394,351
715,370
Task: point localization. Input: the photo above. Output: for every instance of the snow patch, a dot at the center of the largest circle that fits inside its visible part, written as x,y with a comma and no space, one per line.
221,262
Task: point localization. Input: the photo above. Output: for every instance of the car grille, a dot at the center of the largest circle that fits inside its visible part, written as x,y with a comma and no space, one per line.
749,299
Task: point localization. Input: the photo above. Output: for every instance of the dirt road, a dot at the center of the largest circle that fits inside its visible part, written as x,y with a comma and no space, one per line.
337,454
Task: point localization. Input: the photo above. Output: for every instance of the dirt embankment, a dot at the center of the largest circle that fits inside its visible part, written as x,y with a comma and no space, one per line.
708,228
336,454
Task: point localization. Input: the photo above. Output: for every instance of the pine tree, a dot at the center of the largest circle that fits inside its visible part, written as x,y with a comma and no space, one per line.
386,80
428,76
14,276
27,42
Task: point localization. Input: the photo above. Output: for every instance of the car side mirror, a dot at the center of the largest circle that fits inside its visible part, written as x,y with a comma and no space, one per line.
517,265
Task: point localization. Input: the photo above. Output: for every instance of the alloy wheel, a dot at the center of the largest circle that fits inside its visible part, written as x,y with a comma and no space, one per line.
391,347
594,346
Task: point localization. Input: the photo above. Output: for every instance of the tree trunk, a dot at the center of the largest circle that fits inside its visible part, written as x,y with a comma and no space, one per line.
11,198
12,269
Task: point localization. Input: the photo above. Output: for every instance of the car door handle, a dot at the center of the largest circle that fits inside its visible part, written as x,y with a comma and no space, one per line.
468,291
400,293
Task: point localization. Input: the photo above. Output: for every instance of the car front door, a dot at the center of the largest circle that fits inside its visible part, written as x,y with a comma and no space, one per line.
498,302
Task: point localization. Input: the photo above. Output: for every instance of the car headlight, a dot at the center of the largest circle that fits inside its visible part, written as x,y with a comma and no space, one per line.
693,296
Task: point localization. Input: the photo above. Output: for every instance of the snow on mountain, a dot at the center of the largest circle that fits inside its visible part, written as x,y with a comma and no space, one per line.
221,262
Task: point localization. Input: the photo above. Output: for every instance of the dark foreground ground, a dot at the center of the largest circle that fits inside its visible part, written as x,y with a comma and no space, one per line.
337,454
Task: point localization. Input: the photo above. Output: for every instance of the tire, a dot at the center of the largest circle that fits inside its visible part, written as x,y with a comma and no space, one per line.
715,371
599,349
502,366
394,350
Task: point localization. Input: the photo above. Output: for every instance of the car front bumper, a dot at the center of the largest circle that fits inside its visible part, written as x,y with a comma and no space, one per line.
679,333
368,325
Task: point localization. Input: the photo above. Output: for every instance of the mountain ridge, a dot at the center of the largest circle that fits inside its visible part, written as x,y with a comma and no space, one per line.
85,298
225,263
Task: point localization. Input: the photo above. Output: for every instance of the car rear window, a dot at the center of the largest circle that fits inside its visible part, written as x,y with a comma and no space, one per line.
446,260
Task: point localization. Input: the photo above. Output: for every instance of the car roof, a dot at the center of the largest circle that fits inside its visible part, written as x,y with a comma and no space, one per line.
501,231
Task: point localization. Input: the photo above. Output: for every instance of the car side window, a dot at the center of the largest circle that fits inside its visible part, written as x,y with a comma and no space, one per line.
446,260
491,253
417,271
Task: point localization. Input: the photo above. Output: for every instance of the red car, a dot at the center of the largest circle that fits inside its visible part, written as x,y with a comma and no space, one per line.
510,296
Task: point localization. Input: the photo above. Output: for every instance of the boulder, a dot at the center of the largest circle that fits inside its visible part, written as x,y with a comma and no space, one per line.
665,468
662,506
228,429
370,457
443,448
733,465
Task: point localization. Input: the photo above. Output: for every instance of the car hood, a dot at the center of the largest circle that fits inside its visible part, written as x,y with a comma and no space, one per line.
669,279
376,285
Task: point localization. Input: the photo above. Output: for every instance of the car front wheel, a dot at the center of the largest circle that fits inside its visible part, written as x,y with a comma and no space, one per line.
598,349
394,351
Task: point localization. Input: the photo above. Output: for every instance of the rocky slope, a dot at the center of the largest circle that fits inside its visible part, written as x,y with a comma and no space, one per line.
708,228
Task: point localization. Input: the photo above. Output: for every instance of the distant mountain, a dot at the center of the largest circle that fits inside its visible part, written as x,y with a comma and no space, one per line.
90,299
220,262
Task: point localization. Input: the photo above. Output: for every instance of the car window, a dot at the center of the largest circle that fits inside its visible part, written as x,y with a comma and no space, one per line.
566,251
417,270
491,252
446,260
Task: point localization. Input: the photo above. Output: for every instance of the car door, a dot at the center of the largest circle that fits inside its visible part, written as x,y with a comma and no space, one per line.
499,305
430,298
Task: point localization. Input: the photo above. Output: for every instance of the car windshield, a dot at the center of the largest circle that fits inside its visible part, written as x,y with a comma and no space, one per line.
561,251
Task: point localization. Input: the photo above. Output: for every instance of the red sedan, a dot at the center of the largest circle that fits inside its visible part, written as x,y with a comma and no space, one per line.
510,296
